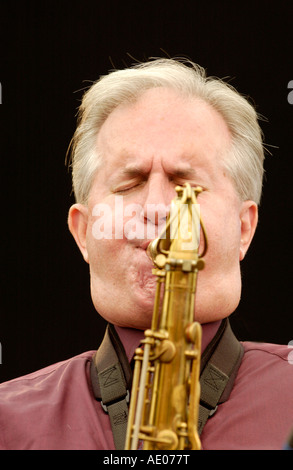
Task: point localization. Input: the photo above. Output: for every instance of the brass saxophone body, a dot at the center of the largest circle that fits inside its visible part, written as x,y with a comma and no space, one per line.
165,395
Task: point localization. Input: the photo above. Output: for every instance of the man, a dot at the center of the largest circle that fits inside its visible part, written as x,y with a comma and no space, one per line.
141,132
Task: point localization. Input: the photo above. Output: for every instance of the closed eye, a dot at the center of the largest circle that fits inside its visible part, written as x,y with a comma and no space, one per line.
126,188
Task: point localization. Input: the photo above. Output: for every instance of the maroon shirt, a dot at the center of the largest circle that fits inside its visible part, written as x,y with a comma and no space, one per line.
55,408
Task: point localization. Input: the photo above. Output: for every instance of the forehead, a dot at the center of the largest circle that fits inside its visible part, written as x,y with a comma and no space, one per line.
163,122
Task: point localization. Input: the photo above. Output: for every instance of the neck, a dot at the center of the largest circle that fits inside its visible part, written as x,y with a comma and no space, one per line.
131,338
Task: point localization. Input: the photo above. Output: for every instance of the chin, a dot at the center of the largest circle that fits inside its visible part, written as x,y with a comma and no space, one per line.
127,313
217,308
140,322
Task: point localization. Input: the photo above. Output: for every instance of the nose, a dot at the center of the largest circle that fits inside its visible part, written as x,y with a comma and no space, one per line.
155,213
157,203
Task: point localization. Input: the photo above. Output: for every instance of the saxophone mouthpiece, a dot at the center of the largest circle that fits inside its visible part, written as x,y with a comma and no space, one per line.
152,249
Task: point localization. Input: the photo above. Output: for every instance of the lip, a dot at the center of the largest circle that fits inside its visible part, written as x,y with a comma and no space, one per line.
144,245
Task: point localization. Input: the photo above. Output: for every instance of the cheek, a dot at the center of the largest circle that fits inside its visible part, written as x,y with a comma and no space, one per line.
103,255
223,234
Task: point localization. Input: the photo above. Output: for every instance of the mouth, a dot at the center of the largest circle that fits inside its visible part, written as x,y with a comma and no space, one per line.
144,245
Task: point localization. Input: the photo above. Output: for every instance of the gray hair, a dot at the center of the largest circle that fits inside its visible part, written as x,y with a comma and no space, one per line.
244,161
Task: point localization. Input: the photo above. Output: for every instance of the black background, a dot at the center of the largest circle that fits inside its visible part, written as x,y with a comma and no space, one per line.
51,51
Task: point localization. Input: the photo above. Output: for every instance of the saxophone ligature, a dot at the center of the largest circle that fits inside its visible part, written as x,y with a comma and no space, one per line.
163,413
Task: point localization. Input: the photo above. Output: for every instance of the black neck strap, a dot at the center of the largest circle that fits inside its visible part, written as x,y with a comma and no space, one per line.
219,367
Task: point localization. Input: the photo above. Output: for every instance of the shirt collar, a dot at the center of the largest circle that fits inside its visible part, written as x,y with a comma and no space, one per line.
131,338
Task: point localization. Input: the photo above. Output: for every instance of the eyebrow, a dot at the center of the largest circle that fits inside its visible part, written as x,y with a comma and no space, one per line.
133,171
183,172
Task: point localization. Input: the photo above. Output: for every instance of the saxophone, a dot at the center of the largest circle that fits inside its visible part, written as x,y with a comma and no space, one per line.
163,412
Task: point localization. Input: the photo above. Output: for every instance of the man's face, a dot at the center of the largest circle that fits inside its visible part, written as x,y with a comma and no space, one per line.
148,148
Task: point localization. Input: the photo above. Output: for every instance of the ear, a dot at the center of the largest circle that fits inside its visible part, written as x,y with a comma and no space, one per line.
77,223
248,221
